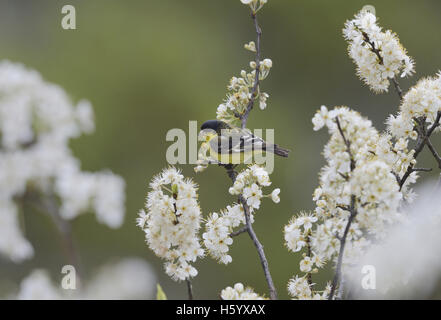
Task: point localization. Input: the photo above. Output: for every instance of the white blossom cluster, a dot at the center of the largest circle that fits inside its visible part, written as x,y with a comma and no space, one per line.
240,91
37,120
239,292
378,54
218,228
130,278
249,183
299,288
421,101
171,222
360,177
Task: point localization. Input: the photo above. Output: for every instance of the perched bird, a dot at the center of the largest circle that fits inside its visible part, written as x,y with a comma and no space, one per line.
232,145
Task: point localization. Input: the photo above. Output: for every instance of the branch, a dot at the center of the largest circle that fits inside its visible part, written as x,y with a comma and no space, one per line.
244,116
238,232
189,289
434,152
259,247
249,229
342,239
423,139
232,174
347,143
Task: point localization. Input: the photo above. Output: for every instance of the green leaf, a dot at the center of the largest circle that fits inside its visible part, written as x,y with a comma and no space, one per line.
160,295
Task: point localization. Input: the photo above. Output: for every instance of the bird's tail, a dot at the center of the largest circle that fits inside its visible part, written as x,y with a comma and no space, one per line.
274,148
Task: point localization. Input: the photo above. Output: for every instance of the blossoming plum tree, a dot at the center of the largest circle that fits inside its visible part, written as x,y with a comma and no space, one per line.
369,174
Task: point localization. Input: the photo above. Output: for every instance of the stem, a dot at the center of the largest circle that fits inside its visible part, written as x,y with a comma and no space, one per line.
232,174
398,88
423,139
189,289
259,247
337,275
375,50
244,116
353,214
238,232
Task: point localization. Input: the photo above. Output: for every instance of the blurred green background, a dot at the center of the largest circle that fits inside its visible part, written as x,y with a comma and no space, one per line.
151,65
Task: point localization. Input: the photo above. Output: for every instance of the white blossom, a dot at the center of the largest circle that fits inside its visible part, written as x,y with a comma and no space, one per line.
378,54
172,222
37,121
239,292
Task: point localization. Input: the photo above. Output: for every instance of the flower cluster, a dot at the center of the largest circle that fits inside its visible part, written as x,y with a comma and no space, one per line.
358,184
423,101
240,91
243,90
220,226
378,54
249,183
171,222
217,236
239,292
37,120
299,288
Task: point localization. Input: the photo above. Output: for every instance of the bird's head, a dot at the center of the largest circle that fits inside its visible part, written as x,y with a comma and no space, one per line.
209,129
213,125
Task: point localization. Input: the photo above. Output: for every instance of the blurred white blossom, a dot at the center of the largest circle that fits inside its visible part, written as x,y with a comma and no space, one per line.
37,120
130,278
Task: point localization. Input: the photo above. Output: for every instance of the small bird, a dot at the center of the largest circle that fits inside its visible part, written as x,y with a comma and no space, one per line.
232,145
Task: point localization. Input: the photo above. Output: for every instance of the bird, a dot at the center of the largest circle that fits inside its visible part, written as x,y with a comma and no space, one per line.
233,145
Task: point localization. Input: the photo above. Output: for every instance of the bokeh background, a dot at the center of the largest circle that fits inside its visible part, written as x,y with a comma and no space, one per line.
151,65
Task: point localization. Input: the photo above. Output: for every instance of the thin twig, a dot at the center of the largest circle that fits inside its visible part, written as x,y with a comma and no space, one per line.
347,143
244,116
189,289
422,140
434,152
398,88
238,232
375,50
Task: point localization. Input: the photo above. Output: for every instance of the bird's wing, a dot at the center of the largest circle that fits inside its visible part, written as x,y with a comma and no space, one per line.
237,140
